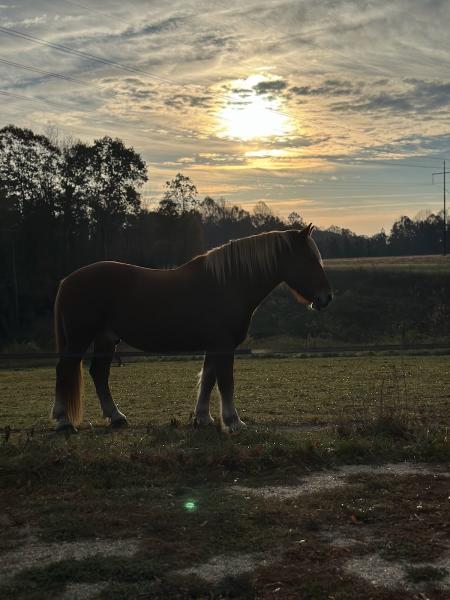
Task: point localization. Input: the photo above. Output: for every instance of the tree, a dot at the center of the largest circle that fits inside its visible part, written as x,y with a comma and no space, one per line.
263,218
212,211
107,175
295,220
30,179
379,244
74,204
402,237
30,169
180,196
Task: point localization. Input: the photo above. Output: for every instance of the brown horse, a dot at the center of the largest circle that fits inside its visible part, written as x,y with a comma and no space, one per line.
206,304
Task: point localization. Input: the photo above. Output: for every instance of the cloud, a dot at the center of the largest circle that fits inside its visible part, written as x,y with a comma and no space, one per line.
410,146
330,87
165,25
222,159
26,22
419,97
379,102
294,142
269,87
182,101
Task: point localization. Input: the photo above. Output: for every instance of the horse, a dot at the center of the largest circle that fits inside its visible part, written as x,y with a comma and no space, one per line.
204,305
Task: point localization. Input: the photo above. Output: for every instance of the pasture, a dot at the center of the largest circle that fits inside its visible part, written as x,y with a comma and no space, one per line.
432,263
344,463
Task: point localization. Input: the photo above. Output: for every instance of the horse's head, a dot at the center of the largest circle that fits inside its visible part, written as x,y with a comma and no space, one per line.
304,272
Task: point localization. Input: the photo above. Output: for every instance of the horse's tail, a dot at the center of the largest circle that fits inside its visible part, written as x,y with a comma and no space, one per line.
69,385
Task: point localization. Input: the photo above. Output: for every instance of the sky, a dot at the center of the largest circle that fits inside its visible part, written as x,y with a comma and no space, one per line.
337,110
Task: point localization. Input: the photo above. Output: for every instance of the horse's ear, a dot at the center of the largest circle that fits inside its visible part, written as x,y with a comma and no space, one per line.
307,231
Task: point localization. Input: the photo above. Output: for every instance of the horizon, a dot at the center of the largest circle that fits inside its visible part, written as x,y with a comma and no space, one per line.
267,102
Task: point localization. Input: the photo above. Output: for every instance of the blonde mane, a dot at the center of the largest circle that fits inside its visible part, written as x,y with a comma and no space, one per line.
254,254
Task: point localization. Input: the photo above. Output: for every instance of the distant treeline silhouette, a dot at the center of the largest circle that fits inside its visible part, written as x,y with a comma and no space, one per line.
64,204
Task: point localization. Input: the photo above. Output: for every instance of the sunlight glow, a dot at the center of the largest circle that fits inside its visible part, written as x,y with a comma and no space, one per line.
248,115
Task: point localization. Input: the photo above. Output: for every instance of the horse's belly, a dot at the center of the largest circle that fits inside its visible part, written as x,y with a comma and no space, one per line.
167,336
165,343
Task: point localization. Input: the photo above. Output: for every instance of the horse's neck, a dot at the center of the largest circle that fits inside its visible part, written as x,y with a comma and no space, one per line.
258,286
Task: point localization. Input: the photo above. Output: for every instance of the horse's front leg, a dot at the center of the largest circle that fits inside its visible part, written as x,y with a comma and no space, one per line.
207,381
225,381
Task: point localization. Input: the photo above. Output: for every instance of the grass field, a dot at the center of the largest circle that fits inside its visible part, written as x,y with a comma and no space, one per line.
421,263
283,391
301,504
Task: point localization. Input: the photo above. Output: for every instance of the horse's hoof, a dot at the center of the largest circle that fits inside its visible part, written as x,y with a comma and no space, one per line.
202,421
235,426
119,423
65,427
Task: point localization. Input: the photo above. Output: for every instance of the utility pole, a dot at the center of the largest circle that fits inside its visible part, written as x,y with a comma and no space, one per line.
444,173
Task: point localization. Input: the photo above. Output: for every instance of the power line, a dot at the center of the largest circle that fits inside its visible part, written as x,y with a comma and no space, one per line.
85,55
10,63
33,99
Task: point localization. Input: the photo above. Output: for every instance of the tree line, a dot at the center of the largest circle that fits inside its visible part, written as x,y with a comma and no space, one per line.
65,203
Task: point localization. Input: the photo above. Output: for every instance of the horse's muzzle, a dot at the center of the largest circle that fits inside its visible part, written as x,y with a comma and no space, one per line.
321,301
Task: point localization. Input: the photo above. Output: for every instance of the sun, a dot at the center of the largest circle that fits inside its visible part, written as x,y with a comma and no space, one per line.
248,115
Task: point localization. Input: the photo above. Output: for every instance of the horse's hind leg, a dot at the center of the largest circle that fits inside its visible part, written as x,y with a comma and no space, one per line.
104,349
207,382
225,381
